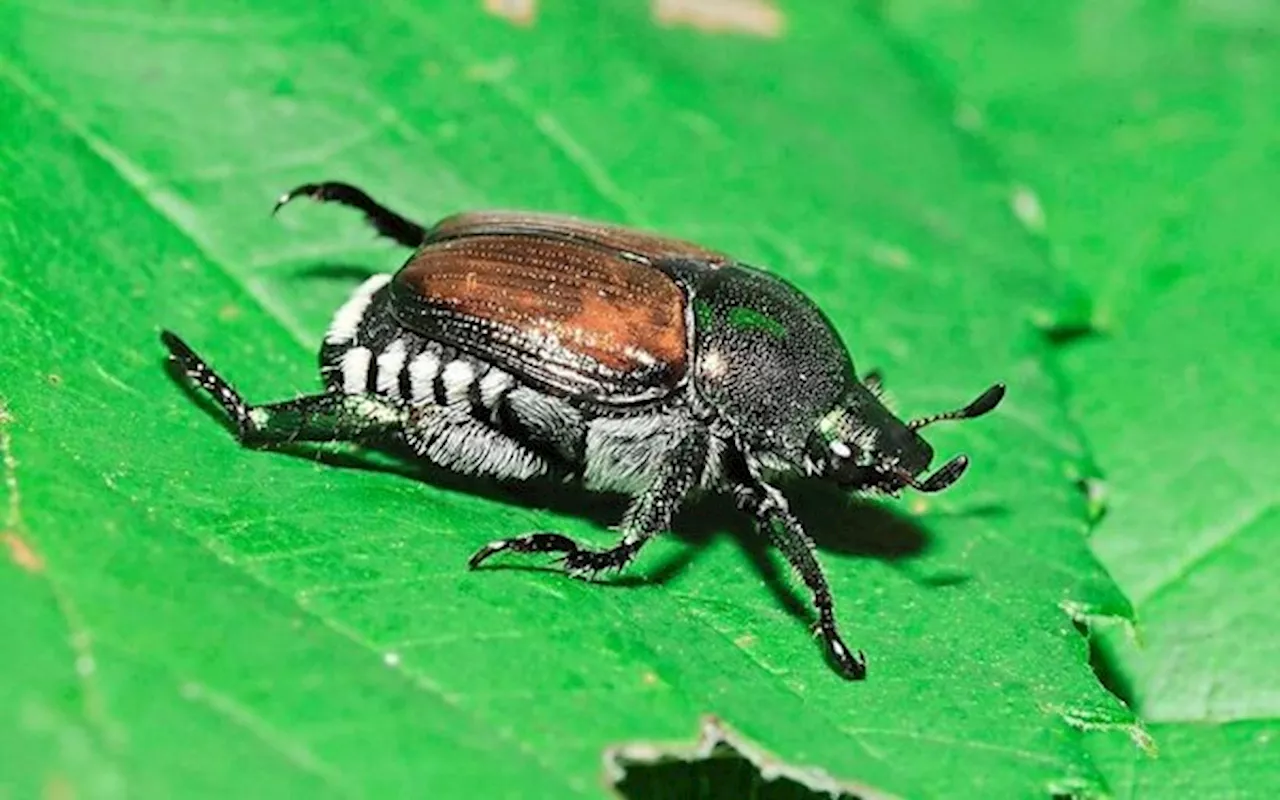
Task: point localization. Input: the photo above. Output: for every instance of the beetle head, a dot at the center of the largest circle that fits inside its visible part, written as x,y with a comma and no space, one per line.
862,446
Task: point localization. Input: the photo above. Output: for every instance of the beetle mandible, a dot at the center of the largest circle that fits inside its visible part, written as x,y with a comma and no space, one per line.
520,345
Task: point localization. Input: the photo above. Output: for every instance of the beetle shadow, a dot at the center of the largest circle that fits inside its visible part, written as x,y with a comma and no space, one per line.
858,529
855,529
335,271
836,525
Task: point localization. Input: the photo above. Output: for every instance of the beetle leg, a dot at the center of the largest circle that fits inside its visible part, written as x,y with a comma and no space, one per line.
769,508
312,418
544,542
649,514
387,222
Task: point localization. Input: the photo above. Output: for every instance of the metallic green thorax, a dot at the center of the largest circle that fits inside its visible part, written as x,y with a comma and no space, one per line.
745,318
703,314
740,317
767,359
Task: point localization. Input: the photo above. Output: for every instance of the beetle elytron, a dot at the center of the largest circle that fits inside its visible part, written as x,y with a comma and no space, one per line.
519,345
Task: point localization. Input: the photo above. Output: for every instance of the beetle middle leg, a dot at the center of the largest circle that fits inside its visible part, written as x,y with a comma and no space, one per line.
770,510
385,221
312,418
649,514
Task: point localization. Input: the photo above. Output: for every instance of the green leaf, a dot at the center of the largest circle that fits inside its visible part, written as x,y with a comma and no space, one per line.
1147,129
261,623
1196,759
53,721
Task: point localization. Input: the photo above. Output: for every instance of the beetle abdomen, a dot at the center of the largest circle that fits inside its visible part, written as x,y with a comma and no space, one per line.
468,414
366,352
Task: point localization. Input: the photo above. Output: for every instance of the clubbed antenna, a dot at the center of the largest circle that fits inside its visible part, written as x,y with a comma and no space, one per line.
986,402
946,475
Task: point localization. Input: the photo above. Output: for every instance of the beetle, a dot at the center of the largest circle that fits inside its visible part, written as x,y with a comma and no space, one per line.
523,345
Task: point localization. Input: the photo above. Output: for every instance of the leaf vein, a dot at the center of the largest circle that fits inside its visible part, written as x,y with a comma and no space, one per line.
1198,557
168,206
545,124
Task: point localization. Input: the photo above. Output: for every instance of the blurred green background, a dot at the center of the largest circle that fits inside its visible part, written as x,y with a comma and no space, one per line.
1074,198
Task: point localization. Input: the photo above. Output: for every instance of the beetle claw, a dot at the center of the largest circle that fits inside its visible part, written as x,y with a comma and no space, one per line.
851,664
529,543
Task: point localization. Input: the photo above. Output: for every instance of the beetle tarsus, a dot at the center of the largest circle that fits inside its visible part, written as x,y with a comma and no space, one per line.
385,221
589,564
529,543
852,664
578,561
200,373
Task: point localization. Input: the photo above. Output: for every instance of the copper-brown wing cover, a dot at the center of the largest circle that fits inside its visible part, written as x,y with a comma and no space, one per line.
629,240
571,306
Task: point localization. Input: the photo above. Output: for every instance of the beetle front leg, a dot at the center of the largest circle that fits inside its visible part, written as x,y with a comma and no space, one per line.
649,514
772,514
385,221
312,418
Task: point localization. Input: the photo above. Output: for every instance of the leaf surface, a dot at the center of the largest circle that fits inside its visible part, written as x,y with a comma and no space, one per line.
1148,131
274,624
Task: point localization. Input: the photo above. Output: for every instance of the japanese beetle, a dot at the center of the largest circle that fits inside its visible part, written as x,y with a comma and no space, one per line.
519,345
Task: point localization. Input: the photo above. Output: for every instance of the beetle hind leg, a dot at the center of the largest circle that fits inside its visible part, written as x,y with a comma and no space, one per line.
311,418
385,221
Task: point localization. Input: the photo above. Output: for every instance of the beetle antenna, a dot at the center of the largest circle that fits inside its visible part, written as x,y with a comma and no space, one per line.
945,475
986,402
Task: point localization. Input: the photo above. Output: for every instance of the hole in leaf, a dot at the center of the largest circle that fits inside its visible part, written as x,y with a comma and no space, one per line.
720,764
1110,671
